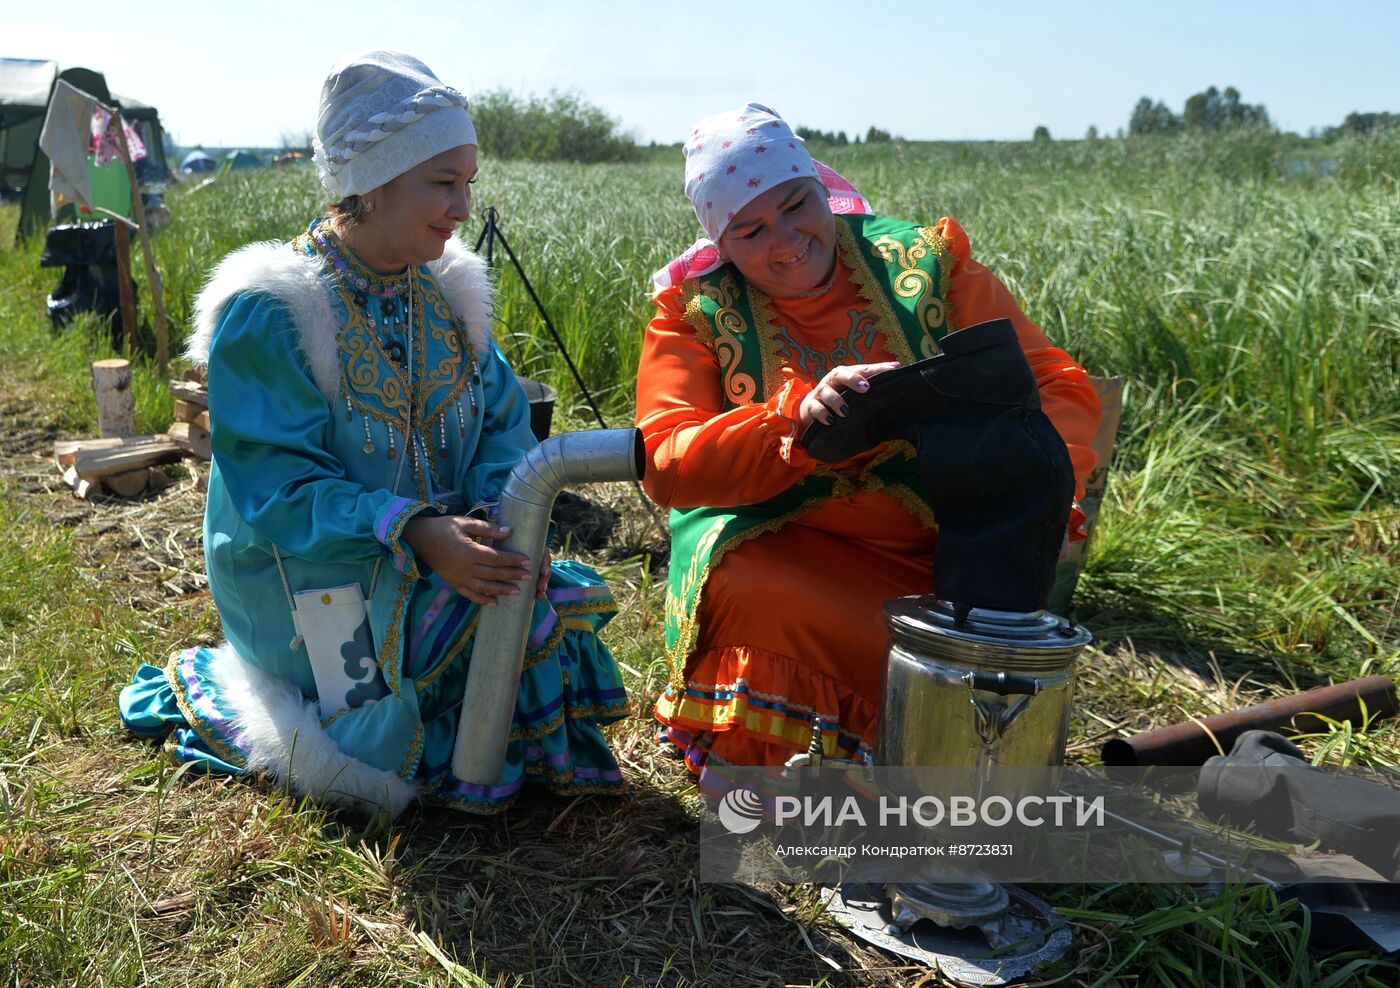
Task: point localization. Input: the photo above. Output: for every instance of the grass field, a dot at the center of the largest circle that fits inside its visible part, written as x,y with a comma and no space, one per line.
1249,546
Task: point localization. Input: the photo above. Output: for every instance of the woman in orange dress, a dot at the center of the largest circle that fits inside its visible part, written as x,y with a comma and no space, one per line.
781,565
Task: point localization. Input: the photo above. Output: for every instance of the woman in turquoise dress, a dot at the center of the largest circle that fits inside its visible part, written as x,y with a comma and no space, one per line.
358,407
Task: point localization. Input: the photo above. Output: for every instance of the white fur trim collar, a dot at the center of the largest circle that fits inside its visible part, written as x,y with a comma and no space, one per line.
284,737
304,286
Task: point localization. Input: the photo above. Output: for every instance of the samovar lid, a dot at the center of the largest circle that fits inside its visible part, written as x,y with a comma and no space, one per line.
929,623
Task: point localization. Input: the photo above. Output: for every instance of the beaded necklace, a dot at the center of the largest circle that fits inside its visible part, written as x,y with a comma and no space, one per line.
378,298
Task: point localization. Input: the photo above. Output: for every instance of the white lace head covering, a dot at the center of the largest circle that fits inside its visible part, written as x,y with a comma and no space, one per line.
382,113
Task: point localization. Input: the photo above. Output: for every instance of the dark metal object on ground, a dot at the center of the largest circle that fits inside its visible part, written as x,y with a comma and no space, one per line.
1032,933
1191,743
1351,917
957,905
1267,785
87,252
542,398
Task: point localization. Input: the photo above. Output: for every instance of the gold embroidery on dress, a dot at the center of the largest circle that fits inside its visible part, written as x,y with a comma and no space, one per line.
913,503
448,370
866,286
415,748
363,371
730,329
913,282
694,313
769,343
390,658
211,737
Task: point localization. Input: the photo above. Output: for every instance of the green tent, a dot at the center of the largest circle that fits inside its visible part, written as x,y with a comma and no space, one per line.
237,161
25,88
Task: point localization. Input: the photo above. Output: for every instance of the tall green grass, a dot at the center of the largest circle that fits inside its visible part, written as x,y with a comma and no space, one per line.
1253,311
1251,533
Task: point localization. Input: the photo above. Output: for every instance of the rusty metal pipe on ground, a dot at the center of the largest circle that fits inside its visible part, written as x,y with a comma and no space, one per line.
493,677
1191,743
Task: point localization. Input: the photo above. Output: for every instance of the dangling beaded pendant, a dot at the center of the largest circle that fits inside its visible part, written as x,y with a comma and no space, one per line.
442,434
369,440
461,422
475,380
392,452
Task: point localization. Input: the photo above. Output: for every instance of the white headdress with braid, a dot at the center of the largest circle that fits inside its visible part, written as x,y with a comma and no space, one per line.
382,113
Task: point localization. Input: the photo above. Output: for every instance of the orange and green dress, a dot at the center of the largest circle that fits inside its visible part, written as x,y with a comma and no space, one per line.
781,565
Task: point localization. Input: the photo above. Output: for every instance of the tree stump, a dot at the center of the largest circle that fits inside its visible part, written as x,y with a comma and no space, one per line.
116,408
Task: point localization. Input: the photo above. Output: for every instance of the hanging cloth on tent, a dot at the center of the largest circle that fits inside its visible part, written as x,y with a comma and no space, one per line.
104,137
65,139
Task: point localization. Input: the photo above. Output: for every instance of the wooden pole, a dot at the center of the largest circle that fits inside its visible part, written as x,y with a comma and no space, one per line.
128,303
138,211
116,408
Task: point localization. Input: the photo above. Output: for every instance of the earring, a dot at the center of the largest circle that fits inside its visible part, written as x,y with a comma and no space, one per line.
369,207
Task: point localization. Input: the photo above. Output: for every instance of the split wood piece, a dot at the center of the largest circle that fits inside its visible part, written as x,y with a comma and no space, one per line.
132,483
128,484
81,488
187,411
94,463
192,439
189,391
201,420
66,450
111,386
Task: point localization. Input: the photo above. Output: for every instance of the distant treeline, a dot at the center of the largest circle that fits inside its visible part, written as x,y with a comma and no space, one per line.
873,135
561,126
1213,111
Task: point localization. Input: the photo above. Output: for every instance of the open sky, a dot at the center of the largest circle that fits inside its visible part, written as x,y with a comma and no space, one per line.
249,72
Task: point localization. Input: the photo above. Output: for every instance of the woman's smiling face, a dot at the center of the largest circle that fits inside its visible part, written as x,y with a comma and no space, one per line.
416,213
784,241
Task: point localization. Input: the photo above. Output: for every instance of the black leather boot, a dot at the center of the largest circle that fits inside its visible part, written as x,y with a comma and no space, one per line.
993,466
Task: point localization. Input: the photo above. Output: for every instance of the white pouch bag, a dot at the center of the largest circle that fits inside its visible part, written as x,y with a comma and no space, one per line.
334,626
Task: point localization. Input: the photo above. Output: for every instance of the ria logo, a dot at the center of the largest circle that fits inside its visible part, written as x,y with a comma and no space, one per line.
741,811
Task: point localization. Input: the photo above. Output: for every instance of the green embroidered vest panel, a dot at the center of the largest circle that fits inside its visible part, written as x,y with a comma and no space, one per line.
902,270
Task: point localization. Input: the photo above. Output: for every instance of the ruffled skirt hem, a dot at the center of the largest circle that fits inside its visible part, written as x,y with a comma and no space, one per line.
225,716
748,706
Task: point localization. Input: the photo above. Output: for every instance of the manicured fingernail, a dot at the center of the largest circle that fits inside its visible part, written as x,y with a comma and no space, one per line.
862,385
844,410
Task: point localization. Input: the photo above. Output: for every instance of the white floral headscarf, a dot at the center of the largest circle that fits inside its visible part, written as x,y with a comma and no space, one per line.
732,158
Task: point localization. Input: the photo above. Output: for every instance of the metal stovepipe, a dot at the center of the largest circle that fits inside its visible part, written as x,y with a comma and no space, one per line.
493,677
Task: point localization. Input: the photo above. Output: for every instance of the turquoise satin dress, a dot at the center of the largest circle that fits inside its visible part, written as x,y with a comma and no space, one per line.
418,422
